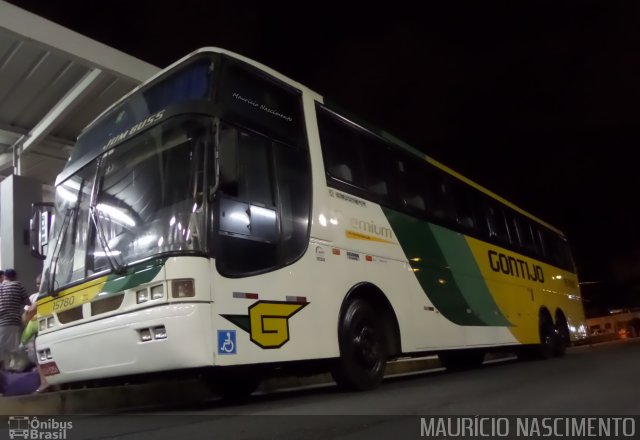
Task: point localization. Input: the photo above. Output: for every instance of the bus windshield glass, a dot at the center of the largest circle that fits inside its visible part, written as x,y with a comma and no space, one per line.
148,201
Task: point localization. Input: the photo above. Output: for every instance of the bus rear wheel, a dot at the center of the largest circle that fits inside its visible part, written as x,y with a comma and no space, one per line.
547,346
363,348
548,341
562,336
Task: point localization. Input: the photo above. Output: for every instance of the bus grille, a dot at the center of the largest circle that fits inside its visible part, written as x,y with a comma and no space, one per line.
106,305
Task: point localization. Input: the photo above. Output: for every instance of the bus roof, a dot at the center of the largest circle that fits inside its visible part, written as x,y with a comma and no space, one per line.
197,52
383,134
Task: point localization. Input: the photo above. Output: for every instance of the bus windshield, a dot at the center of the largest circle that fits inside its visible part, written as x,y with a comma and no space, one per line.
148,199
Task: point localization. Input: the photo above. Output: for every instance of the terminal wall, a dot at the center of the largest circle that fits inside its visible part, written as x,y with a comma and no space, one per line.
17,193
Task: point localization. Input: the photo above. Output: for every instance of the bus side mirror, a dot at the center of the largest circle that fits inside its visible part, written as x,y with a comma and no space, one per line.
40,229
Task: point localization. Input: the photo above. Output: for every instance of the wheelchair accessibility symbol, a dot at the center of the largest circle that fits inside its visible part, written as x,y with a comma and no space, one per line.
227,342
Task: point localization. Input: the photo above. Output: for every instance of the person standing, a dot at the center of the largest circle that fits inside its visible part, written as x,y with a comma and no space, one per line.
13,298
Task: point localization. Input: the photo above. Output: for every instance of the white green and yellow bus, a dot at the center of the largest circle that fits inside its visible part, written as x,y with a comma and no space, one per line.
224,218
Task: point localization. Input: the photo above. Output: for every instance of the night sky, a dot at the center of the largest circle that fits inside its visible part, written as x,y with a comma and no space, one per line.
538,101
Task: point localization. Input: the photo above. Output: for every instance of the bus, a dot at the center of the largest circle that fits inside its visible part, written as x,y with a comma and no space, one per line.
224,219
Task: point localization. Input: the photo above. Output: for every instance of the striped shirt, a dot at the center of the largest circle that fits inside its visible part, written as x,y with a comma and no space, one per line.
13,298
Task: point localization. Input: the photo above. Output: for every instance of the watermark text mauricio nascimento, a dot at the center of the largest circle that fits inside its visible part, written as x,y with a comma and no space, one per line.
553,427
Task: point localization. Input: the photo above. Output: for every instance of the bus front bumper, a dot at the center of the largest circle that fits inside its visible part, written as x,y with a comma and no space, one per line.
161,338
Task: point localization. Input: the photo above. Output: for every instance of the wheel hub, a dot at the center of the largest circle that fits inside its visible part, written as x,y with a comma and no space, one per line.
366,346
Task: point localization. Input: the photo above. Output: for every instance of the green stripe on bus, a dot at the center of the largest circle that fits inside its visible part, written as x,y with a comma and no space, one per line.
241,321
468,277
135,276
431,268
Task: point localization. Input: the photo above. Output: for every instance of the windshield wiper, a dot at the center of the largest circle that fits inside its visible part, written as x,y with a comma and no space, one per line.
66,221
116,266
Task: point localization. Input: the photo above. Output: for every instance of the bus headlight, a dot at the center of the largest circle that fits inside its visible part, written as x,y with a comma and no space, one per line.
182,288
50,322
42,325
142,296
157,292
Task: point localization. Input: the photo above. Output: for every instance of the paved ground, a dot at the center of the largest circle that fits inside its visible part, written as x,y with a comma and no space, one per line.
599,380
603,379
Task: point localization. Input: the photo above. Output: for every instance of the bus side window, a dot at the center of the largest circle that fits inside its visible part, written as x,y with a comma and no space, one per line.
563,253
340,148
524,234
378,173
541,243
255,183
440,202
512,230
497,223
245,170
551,248
294,199
463,203
411,187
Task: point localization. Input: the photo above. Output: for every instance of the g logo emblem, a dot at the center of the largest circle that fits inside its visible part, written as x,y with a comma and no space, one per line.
268,322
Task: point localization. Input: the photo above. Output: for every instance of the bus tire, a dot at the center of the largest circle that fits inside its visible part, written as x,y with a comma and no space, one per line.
363,348
460,360
547,346
563,338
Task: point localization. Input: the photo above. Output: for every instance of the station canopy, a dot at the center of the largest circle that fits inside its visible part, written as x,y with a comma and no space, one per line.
53,82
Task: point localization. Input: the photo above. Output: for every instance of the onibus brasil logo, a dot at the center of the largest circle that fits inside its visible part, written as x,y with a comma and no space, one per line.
34,428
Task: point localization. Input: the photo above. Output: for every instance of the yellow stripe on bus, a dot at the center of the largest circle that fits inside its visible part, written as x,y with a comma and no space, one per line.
360,236
71,297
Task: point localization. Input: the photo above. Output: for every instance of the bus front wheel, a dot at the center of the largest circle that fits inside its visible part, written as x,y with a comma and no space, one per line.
363,348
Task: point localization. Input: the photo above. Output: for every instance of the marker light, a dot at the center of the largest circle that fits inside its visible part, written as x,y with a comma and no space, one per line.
157,292
142,296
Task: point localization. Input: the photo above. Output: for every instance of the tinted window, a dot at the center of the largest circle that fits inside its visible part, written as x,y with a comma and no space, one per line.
541,242
563,254
293,192
189,83
340,148
464,205
261,103
377,158
525,234
412,186
497,223
265,202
